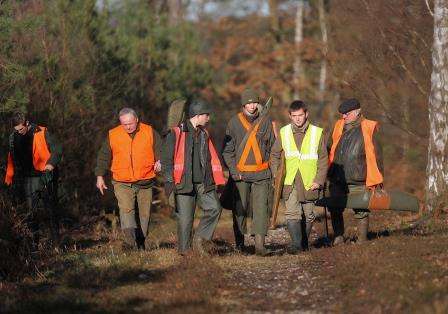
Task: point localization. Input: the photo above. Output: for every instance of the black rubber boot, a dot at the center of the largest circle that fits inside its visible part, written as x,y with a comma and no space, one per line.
294,227
337,222
306,236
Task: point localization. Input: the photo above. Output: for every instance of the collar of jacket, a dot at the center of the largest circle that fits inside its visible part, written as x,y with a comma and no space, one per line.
303,129
34,128
250,117
132,135
190,127
354,124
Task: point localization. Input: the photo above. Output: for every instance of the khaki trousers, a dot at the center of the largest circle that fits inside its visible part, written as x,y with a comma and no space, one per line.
295,209
127,194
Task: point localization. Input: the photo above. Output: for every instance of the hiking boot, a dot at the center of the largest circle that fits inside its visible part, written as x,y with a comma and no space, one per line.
129,239
198,246
294,227
260,249
363,227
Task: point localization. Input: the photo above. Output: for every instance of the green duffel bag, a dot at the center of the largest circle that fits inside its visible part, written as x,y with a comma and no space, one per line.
373,199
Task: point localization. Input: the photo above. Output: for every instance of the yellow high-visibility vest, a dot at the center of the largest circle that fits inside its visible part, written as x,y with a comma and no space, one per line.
304,160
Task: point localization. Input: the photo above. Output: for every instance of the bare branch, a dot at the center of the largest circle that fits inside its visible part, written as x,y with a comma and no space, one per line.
395,53
429,9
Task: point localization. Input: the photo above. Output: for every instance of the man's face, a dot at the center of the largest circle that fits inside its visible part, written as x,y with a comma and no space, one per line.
129,122
251,107
22,128
298,117
203,119
350,116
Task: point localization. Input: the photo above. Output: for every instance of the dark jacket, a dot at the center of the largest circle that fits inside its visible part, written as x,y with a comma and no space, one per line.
349,165
233,149
167,159
21,149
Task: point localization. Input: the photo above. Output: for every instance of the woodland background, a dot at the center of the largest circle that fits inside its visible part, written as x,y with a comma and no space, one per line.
71,65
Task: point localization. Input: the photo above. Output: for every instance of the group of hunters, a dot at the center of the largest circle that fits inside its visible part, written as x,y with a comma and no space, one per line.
134,152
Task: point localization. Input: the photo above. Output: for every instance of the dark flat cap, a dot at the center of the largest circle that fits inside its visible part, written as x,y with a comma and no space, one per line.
349,105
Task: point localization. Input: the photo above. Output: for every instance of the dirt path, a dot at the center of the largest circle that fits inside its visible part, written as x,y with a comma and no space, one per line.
402,269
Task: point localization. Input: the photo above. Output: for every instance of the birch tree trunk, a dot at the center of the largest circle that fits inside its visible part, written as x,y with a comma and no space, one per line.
437,167
323,64
298,75
175,11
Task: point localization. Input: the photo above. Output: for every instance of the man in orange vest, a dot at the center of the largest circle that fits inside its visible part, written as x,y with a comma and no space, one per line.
33,157
248,143
191,169
355,158
131,152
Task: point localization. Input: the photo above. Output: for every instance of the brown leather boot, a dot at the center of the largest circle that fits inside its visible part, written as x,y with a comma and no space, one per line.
198,246
363,228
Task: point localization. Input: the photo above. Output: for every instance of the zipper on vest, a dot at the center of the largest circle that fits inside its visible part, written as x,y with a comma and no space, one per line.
132,161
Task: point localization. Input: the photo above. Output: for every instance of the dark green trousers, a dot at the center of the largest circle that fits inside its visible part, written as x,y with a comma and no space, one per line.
185,209
254,203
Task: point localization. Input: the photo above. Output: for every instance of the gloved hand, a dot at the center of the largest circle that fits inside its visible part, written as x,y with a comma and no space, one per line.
169,187
47,177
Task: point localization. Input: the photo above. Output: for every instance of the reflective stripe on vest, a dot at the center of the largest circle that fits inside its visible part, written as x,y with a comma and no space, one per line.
374,176
41,155
132,158
251,144
304,160
179,158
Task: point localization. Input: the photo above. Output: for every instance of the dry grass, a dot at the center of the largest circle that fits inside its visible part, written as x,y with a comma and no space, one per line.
403,269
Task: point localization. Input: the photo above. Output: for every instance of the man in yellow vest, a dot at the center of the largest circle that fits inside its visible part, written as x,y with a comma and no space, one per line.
355,157
34,154
306,169
248,142
131,152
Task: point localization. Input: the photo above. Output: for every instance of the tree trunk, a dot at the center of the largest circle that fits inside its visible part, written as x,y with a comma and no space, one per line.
437,167
323,64
175,11
298,76
275,21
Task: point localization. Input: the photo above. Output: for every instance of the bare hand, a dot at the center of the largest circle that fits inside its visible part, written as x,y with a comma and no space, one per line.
315,186
100,184
157,166
49,167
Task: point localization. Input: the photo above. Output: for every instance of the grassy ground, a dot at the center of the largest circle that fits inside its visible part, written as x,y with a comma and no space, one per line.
402,269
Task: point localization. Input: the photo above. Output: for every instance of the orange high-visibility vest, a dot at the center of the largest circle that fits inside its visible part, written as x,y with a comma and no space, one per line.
41,155
251,144
179,158
374,176
132,158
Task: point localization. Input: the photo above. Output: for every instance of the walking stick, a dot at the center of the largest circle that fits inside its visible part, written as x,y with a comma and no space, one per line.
326,240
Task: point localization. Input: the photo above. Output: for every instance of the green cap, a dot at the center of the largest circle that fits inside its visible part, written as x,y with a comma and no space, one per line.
248,96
